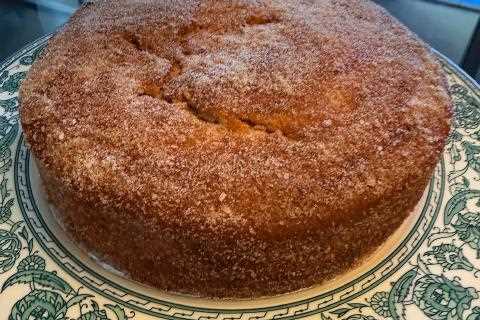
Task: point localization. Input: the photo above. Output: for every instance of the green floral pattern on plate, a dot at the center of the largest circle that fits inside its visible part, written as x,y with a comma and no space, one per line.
433,273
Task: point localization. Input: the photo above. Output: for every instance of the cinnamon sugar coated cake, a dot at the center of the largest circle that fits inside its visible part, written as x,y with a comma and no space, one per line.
237,148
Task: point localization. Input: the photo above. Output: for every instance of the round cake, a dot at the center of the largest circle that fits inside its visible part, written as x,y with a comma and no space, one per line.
237,148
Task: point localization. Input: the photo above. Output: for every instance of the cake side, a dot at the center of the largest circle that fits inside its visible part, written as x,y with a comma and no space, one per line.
285,139
197,260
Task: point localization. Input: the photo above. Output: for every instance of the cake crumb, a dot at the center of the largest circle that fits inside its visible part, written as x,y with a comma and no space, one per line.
222,196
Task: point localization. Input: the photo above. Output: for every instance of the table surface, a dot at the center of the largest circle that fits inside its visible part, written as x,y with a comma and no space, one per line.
450,26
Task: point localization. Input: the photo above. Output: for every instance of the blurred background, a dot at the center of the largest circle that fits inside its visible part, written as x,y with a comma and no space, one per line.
450,26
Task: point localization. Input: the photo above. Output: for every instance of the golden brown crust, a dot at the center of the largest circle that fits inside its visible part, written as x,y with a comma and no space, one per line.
234,148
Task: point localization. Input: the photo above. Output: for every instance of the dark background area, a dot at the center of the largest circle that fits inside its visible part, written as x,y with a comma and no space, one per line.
450,26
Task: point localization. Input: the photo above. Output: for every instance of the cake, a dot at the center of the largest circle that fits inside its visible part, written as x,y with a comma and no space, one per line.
234,149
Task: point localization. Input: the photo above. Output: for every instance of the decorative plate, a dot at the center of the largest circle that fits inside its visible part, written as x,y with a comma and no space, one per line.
429,269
